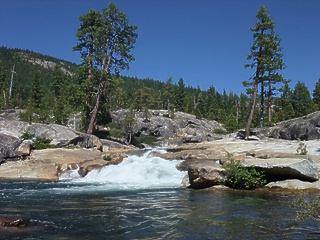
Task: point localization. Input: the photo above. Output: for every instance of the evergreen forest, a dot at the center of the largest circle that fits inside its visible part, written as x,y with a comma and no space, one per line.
50,90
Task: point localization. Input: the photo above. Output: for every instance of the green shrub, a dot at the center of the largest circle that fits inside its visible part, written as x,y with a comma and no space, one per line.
239,177
24,116
27,135
139,141
40,143
115,133
107,157
219,131
302,149
113,125
43,143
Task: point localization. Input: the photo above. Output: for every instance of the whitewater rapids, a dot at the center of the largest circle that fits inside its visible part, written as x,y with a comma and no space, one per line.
134,172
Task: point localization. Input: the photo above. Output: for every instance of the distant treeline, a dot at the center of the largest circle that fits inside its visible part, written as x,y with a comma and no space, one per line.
51,89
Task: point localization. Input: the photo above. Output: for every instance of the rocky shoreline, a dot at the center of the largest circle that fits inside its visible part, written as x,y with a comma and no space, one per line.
284,167
203,160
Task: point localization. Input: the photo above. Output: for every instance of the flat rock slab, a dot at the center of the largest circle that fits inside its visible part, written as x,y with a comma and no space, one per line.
294,184
285,168
46,164
63,155
29,170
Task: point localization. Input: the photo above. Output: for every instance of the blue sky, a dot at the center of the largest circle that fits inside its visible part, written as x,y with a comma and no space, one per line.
206,42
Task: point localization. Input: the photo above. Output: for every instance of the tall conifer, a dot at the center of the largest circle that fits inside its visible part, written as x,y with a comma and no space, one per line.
105,41
265,58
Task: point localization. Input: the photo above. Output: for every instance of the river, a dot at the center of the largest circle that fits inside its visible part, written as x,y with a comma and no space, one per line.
142,198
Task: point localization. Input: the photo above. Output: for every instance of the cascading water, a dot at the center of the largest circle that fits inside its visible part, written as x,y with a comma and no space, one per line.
134,172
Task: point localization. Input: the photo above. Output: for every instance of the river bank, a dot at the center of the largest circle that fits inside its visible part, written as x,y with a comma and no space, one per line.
203,158
49,164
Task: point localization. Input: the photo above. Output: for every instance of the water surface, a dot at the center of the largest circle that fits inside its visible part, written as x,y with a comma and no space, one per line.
146,204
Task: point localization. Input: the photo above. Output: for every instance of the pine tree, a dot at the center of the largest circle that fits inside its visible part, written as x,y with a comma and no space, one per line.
129,125
36,98
3,91
138,102
231,124
274,63
169,95
316,94
263,50
301,100
105,41
59,98
283,106
200,103
197,113
180,96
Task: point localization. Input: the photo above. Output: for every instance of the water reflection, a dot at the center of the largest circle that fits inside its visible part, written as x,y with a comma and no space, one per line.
173,213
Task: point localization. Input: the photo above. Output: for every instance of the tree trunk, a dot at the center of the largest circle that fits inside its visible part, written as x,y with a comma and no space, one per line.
254,100
94,112
11,82
5,99
262,105
94,115
169,108
269,101
104,69
253,107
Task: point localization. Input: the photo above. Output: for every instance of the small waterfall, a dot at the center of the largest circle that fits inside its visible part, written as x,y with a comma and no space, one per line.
137,172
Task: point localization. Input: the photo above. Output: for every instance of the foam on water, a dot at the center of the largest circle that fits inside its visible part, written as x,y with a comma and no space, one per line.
136,172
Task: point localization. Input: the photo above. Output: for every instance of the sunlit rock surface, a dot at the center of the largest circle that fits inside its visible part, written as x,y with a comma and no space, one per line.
185,137
285,168
303,128
48,164
182,128
56,133
204,174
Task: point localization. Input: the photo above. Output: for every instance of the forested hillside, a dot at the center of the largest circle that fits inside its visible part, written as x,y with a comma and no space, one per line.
53,89
26,63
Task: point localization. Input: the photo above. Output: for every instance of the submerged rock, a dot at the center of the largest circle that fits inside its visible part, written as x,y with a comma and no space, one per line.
13,222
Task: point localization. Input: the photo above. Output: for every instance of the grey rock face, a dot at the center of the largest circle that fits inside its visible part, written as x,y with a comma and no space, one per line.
303,128
11,144
183,128
15,128
8,145
56,133
285,168
87,141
